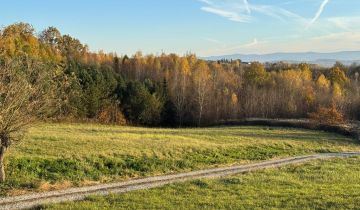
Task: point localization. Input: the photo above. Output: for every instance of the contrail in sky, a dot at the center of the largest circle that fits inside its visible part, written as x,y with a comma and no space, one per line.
319,12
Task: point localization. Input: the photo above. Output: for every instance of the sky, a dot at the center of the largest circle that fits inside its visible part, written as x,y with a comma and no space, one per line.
203,27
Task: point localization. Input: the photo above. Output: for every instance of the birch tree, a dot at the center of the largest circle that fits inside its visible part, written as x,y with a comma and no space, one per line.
201,78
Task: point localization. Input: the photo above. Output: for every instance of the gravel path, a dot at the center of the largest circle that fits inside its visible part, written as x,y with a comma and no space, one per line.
73,194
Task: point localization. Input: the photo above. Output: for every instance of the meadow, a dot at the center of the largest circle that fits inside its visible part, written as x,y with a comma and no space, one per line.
324,184
57,156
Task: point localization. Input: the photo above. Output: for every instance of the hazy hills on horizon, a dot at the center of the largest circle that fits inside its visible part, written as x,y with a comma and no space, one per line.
324,59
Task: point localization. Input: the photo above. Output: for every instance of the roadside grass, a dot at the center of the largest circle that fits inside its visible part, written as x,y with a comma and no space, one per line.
57,156
323,184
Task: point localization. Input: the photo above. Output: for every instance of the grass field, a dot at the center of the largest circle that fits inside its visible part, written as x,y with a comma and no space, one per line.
327,184
56,156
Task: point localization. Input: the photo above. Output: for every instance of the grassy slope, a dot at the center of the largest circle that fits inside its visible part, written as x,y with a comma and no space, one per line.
60,155
326,184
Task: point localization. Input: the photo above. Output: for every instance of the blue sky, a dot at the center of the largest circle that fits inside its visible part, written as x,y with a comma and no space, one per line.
204,27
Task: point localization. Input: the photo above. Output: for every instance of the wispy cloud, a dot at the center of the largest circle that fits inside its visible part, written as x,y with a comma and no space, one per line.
339,42
251,44
233,16
212,40
353,37
318,13
243,11
236,48
206,2
342,32
277,12
349,23
247,6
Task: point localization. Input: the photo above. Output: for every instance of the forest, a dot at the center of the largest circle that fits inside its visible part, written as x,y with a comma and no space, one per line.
169,90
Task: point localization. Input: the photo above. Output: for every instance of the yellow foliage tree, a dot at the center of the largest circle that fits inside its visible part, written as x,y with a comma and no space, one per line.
306,72
256,74
201,79
338,76
323,83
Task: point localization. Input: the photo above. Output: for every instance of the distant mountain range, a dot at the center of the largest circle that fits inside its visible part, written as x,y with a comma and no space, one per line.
324,59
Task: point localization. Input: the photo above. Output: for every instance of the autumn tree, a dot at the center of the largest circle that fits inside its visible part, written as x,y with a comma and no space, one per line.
337,76
305,72
25,93
255,77
255,74
201,79
19,40
323,83
51,37
180,87
71,48
327,115
217,89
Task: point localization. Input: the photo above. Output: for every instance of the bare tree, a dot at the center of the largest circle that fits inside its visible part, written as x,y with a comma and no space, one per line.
25,87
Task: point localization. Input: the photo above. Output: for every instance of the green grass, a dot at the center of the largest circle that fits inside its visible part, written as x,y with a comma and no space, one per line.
53,155
326,184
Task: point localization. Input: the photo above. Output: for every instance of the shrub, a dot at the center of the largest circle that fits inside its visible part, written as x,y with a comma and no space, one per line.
111,115
327,115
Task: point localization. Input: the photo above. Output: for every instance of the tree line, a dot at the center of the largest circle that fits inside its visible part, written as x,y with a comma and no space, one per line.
172,90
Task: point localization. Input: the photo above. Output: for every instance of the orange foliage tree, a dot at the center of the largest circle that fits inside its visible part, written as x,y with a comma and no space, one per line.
328,115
